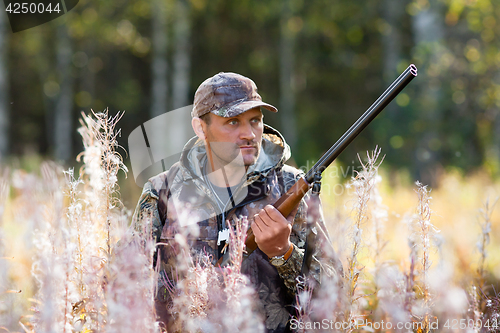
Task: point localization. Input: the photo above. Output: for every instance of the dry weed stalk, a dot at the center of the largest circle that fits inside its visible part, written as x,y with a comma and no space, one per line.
304,303
101,164
390,297
191,288
129,285
237,237
88,258
485,215
423,221
410,278
210,299
27,205
363,185
75,220
195,279
475,308
479,291
240,314
425,230
379,217
491,314
381,273
101,211
53,266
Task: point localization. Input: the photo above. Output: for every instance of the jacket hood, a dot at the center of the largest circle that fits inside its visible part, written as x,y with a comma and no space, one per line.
274,153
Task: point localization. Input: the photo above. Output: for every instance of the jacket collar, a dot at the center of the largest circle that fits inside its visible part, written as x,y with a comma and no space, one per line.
274,153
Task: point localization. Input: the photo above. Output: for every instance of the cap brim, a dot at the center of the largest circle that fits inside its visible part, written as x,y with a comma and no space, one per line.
239,108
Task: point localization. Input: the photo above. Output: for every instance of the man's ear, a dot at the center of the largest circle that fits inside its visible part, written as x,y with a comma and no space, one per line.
196,123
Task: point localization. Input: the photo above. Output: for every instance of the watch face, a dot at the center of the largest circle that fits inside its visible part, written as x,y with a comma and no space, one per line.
277,261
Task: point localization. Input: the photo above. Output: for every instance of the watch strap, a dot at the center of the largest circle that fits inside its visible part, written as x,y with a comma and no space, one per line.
288,253
285,256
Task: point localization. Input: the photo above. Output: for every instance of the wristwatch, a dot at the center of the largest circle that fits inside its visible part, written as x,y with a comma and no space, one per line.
281,260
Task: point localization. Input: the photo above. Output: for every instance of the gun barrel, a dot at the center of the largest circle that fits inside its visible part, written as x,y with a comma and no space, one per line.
389,94
287,202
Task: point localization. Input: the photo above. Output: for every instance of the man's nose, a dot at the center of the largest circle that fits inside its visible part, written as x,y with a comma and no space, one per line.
247,132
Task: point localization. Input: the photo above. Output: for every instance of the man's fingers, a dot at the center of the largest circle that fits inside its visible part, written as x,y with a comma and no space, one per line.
260,230
256,228
263,219
274,214
271,230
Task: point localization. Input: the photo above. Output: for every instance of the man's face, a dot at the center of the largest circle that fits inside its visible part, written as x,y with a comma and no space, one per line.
229,137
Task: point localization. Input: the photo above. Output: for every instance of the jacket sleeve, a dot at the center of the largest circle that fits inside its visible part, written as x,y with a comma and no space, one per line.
146,216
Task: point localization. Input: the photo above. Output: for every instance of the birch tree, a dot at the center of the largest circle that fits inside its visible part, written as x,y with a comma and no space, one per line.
428,29
178,128
287,95
159,67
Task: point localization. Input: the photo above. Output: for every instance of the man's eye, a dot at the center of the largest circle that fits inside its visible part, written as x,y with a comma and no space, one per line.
232,122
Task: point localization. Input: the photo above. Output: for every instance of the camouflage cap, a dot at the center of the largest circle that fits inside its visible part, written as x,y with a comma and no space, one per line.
227,95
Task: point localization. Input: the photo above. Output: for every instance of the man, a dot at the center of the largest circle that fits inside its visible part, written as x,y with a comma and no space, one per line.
234,166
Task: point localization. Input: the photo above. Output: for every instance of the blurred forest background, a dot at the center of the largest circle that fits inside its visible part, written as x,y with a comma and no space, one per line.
322,63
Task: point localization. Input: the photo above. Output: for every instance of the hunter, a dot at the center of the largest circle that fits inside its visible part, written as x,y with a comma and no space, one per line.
235,165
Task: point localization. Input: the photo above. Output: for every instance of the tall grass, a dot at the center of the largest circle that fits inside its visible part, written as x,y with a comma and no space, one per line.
210,299
86,280
89,273
7,310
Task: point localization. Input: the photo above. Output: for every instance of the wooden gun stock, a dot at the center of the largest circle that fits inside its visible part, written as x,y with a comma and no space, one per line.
285,205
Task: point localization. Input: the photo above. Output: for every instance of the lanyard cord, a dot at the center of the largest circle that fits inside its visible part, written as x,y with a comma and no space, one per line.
220,204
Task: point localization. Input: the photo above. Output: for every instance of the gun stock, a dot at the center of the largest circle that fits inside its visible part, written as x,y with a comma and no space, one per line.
285,205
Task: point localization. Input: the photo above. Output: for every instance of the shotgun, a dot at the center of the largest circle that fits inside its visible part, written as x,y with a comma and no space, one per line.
288,201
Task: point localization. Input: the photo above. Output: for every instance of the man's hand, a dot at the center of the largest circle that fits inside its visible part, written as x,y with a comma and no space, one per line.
272,231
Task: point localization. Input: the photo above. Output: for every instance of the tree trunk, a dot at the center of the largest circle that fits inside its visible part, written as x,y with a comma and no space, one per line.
178,128
159,68
287,94
88,76
392,11
182,55
495,150
158,136
428,30
63,120
4,88
169,132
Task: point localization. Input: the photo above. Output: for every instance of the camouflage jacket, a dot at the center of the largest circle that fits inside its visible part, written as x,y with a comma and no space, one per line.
266,181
